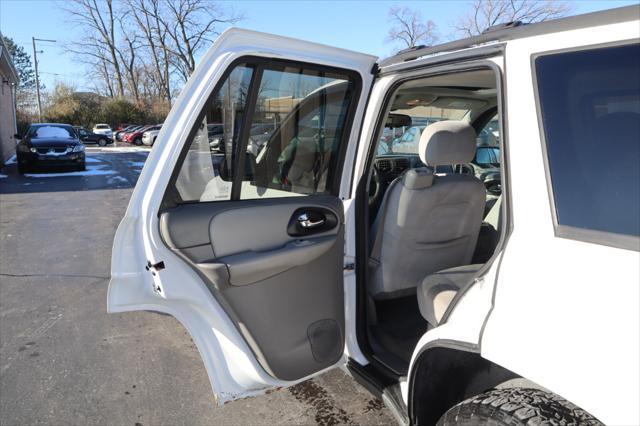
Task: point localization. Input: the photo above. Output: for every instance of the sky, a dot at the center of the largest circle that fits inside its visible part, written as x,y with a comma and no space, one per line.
355,25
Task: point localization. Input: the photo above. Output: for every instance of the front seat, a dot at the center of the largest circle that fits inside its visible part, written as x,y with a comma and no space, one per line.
427,222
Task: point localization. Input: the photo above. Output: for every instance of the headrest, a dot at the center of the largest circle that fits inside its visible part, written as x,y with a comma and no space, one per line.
447,142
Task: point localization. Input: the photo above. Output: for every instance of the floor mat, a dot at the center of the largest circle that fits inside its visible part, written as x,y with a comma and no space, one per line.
398,329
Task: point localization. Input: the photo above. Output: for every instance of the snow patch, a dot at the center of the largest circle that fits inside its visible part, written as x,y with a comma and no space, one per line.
118,149
3,176
11,160
116,179
91,160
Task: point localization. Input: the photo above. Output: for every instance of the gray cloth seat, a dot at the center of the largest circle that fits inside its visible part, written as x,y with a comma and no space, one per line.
437,290
427,222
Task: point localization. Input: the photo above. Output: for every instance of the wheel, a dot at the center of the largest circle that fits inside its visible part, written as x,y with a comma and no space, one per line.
516,406
81,168
102,142
23,168
137,141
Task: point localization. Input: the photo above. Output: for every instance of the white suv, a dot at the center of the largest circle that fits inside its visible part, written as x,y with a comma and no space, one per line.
460,288
103,129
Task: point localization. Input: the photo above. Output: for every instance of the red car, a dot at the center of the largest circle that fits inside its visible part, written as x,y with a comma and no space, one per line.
135,137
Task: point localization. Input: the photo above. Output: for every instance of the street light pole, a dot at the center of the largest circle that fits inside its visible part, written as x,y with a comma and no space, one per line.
35,61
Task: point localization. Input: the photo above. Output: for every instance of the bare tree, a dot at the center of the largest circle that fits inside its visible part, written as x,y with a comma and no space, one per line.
486,13
409,28
148,16
193,23
100,21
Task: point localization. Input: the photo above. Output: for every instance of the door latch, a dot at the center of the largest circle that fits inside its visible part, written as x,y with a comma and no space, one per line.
154,267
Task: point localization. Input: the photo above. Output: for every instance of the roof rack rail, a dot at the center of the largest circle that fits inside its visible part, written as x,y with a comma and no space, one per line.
518,29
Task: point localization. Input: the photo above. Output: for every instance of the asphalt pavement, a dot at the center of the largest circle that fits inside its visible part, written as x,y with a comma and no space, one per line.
64,360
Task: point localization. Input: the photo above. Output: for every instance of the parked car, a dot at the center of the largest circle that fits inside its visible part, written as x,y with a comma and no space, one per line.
103,129
149,136
47,145
88,137
279,270
215,134
135,136
120,133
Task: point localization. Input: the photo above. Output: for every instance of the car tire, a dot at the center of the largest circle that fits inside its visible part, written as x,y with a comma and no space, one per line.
23,168
102,142
82,167
516,406
137,141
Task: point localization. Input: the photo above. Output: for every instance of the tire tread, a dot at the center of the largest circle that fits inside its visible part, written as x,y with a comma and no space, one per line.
517,406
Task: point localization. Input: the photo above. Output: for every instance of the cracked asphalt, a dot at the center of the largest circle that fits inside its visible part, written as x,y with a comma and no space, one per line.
64,360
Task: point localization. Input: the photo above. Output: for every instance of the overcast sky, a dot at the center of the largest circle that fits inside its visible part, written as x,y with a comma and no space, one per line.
355,25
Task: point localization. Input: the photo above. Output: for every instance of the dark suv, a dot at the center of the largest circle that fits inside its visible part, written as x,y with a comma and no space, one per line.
50,145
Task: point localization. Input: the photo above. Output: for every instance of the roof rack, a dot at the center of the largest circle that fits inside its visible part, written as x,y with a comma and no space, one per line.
517,29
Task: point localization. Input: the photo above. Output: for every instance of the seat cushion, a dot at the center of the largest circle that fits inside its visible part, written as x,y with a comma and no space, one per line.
437,290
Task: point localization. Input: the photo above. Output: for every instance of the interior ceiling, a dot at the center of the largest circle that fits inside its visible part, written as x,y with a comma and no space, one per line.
477,79
472,86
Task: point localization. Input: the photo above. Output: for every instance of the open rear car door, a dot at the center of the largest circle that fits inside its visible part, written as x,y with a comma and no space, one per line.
236,227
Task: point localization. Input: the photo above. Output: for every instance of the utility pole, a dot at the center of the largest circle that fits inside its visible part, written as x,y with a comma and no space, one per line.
35,61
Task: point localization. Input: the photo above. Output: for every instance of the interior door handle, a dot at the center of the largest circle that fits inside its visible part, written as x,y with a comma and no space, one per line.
308,223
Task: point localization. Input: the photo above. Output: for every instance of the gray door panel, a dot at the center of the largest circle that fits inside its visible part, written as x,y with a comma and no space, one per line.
282,288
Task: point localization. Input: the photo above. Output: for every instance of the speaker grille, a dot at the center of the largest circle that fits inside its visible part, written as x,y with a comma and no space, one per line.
325,338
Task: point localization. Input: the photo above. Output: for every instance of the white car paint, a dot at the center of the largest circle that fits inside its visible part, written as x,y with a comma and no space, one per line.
233,371
575,318
149,137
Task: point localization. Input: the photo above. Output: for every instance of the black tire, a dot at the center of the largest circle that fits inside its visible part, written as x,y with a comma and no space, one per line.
137,141
516,406
102,142
81,168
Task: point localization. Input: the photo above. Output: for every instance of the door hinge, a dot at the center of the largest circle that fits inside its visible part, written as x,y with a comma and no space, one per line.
154,267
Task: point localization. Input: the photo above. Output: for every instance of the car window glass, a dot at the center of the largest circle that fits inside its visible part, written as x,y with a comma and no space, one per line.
488,144
590,111
207,171
297,127
55,132
405,140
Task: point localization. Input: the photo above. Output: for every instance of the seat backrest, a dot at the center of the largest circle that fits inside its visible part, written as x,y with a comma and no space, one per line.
428,222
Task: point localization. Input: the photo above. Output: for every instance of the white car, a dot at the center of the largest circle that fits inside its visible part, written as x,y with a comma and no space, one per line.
103,129
149,137
451,304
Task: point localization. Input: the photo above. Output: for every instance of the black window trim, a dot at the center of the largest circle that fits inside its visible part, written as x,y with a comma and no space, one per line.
610,239
258,64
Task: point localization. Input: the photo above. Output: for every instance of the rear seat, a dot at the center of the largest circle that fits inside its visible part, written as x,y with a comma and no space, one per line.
437,290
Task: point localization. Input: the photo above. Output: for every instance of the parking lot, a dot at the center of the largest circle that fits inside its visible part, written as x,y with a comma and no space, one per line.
64,360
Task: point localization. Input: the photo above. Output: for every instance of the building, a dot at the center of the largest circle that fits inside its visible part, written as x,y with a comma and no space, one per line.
8,82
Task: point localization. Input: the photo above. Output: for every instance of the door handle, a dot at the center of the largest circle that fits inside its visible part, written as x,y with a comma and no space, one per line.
308,223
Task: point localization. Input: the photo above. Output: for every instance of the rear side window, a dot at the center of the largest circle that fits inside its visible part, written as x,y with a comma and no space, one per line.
270,130
590,112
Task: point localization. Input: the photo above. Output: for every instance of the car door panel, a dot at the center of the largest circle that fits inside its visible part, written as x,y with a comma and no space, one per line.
254,266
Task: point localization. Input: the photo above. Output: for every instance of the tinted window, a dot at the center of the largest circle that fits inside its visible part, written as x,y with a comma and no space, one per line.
590,106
